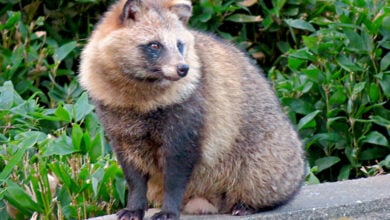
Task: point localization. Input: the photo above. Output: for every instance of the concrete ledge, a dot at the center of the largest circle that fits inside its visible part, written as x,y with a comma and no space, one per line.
367,198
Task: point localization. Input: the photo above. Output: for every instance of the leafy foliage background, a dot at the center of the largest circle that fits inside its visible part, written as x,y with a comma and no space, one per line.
327,60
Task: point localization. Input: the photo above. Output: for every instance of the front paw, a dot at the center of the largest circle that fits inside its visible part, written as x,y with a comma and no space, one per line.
126,214
165,216
241,209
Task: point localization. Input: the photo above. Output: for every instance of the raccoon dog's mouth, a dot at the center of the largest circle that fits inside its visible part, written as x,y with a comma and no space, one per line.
148,79
152,75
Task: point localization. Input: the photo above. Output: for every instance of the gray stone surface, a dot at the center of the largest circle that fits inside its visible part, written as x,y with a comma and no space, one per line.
360,199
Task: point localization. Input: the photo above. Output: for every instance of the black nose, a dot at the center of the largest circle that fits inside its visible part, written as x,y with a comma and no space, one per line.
182,69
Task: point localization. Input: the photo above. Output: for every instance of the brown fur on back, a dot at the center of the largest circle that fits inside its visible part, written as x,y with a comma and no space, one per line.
249,151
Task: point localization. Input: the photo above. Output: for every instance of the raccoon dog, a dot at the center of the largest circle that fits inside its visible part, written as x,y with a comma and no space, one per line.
195,126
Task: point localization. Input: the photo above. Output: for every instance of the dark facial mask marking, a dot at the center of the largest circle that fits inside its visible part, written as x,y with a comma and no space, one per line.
152,51
180,47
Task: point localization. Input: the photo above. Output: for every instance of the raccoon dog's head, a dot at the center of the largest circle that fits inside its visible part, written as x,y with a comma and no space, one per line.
153,45
141,55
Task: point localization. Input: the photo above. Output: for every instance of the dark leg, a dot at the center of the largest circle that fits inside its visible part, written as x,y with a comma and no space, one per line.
176,177
180,132
136,199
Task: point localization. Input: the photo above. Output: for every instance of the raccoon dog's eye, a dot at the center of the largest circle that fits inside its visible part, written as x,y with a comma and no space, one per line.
155,46
180,47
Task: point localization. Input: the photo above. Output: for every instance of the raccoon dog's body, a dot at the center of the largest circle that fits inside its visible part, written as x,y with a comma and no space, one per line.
194,125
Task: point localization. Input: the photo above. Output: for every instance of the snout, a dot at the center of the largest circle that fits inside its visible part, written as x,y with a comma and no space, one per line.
182,69
175,72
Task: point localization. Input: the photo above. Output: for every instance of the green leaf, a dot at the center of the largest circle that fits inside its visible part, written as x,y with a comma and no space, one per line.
6,95
347,64
86,139
351,154
77,136
349,106
303,54
96,179
344,173
70,212
17,58
204,17
20,199
386,22
283,46
386,162
311,179
243,18
291,11
385,62
380,121
61,146
120,187
110,173
295,63
385,84
374,92
28,140
311,42
308,120
300,24
355,40
313,73
372,153
40,20
95,149
279,4
358,88
377,138
326,162
63,173
14,17
63,114
338,97
322,21
63,51
331,137
82,107
298,105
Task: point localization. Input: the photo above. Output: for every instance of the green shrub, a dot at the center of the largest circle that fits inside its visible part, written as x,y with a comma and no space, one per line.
41,42
328,61
64,144
336,88
49,135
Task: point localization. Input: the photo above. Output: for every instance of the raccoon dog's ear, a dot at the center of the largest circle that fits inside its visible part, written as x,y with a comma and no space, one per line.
182,8
130,10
